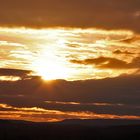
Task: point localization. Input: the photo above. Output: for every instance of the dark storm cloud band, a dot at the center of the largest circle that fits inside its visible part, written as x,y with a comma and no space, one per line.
110,14
118,96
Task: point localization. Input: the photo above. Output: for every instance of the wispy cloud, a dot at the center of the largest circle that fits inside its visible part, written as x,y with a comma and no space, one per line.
110,63
39,114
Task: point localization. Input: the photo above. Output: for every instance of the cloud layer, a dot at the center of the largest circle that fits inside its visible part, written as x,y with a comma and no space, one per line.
110,60
70,53
109,14
111,97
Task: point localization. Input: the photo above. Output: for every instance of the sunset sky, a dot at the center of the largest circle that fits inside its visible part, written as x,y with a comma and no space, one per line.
67,59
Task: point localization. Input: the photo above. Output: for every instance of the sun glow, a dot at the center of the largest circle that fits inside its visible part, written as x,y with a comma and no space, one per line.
51,71
54,53
49,67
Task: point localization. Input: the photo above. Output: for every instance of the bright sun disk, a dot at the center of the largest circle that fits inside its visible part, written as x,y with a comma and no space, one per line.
51,70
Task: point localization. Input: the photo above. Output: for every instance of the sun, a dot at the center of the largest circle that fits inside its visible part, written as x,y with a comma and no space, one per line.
49,64
50,69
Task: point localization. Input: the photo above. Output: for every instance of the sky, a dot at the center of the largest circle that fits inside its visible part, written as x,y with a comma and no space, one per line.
63,59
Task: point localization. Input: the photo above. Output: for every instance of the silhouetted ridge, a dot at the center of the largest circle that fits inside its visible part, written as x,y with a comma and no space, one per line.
71,130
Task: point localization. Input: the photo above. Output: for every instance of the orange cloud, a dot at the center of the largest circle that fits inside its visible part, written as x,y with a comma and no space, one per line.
39,114
110,63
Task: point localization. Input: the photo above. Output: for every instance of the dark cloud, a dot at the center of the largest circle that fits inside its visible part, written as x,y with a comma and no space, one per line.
131,40
99,60
110,63
14,72
122,52
110,14
121,93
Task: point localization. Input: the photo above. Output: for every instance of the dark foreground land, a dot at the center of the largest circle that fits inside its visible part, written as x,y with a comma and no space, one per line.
71,130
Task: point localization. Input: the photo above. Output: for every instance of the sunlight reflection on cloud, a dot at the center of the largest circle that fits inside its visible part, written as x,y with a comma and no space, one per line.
39,114
48,52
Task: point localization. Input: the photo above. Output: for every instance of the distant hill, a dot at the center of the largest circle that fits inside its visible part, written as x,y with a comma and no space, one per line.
101,122
71,130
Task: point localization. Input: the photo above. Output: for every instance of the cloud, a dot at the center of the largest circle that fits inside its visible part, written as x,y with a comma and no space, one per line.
78,103
99,60
67,44
119,64
81,13
44,115
123,52
14,72
132,39
118,96
110,63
